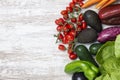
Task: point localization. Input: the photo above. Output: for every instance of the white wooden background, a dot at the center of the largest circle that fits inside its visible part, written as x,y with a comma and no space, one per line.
27,46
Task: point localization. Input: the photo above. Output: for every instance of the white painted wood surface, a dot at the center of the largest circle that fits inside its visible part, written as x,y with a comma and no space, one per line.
27,46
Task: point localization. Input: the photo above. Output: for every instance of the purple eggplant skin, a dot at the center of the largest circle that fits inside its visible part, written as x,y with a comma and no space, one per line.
112,21
110,15
108,34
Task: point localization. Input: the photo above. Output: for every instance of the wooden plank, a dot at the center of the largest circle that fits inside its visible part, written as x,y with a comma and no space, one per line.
27,46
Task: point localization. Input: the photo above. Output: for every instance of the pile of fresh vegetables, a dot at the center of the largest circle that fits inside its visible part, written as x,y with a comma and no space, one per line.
100,60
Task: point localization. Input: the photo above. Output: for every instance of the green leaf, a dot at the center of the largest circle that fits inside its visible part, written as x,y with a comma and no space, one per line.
117,47
107,77
115,75
108,58
106,51
112,76
100,77
103,77
112,64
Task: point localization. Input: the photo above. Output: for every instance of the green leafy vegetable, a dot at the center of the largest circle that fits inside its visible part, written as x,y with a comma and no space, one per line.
117,47
105,52
112,64
104,77
108,58
113,76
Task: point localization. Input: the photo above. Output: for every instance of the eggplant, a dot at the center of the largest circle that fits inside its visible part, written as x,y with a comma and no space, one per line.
110,15
108,34
79,76
93,20
109,11
112,21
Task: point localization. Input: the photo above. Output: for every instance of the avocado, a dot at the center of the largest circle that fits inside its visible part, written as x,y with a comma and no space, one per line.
92,19
87,35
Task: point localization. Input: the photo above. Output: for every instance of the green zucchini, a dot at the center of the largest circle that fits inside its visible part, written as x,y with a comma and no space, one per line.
94,48
83,53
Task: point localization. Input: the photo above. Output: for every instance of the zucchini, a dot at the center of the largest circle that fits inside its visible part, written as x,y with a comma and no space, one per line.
94,48
83,54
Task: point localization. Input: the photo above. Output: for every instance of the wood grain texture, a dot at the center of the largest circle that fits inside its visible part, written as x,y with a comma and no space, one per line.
27,46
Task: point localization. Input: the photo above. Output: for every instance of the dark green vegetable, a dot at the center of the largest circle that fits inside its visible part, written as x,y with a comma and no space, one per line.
83,53
94,48
79,76
87,36
93,20
90,70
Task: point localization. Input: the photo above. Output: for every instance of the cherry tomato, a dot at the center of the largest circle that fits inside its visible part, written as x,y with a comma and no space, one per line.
69,37
75,1
65,32
72,4
69,9
64,12
84,25
70,26
60,36
69,46
61,21
64,40
81,0
59,28
79,22
65,16
81,3
69,51
57,21
72,56
72,32
79,28
65,28
80,17
74,20
61,47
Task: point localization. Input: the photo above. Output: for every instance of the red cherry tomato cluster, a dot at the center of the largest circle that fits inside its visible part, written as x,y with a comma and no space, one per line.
69,25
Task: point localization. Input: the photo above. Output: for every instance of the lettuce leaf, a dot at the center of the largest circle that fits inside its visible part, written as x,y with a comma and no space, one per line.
117,47
112,64
109,64
113,76
105,52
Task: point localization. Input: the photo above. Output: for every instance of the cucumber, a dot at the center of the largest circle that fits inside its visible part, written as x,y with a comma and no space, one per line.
94,48
83,54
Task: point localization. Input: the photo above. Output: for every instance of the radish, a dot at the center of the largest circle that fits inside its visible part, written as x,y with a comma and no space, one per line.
108,34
